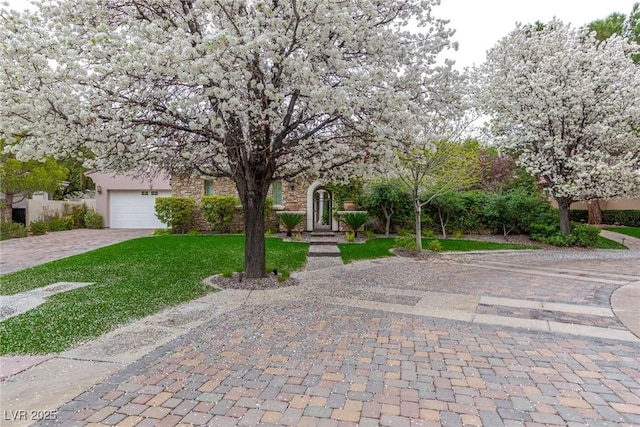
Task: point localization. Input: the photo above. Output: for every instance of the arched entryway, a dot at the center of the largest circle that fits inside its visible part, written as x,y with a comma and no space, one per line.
320,208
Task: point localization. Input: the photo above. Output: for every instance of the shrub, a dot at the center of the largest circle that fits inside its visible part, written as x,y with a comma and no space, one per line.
404,232
12,230
458,234
193,233
161,232
38,228
406,242
218,211
434,246
61,224
355,220
350,236
369,234
94,220
177,212
585,235
630,218
290,221
78,213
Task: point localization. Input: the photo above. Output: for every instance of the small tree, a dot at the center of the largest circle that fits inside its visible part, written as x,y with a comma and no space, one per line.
355,220
429,171
386,199
19,180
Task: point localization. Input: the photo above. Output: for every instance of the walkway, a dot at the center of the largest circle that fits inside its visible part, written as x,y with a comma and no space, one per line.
515,338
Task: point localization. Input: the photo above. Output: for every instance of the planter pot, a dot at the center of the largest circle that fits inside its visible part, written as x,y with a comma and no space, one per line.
291,206
349,205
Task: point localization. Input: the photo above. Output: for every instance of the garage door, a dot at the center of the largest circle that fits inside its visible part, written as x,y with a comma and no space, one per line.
134,209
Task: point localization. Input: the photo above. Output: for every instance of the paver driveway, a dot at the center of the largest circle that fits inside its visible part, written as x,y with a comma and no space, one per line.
483,339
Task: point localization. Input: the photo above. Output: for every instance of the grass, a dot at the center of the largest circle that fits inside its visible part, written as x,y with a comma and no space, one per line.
604,243
629,231
379,248
132,279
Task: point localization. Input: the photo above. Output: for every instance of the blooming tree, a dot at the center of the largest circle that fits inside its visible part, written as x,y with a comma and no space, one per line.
570,108
253,90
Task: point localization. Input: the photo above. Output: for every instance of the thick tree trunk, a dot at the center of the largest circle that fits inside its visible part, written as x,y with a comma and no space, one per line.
254,251
595,212
563,210
7,212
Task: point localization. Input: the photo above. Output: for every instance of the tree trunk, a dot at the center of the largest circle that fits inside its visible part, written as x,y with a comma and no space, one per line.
254,251
442,224
595,212
7,212
563,210
387,215
417,209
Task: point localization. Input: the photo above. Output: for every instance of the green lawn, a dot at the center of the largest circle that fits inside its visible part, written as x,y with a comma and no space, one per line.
378,248
629,231
604,243
132,279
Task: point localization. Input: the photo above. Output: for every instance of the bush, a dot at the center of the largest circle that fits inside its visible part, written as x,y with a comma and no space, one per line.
38,228
61,224
161,232
406,242
177,212
434,246
290,221
94,220
218,211
78,213
585,235
355,220
12,230
350,236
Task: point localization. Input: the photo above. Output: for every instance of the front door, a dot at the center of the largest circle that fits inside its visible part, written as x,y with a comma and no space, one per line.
322,210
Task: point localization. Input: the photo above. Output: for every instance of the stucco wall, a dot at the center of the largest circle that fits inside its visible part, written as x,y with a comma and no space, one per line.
106,182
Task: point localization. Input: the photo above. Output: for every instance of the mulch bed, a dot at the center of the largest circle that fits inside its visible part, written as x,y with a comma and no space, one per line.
238,282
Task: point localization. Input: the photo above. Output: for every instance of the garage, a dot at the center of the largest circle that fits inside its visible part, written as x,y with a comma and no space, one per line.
134,209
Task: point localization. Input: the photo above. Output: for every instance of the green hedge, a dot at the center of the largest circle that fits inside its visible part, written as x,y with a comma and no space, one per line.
630,218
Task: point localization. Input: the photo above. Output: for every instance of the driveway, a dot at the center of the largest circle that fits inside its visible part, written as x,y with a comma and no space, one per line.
495,339
17,254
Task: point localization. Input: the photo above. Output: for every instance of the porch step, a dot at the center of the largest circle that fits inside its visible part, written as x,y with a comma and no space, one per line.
324,251
322,234
326,242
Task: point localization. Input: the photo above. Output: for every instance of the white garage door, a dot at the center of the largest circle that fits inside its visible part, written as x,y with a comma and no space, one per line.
134,209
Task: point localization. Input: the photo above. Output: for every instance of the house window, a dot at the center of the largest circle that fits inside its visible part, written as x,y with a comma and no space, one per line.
208,188
276,187
154,193
145,193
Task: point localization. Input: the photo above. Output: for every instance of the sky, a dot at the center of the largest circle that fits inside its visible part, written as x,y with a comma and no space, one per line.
480,24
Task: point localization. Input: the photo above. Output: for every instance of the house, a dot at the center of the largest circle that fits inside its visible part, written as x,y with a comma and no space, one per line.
127,201
312,199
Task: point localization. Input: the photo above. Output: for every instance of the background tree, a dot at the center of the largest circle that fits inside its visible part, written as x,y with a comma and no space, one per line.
386,199
19,180
569,107
617,24
253,90
438,168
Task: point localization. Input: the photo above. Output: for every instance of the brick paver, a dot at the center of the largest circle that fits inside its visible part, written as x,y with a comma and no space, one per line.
306,361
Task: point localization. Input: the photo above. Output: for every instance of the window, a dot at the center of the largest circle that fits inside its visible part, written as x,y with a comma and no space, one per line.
145,193
154,193
276,188
208,188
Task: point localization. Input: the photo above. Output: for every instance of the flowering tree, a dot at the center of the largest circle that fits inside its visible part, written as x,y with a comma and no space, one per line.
253,90
436,169
570,107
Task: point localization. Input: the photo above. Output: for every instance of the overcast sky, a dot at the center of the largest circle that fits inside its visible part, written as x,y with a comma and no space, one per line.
479,24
